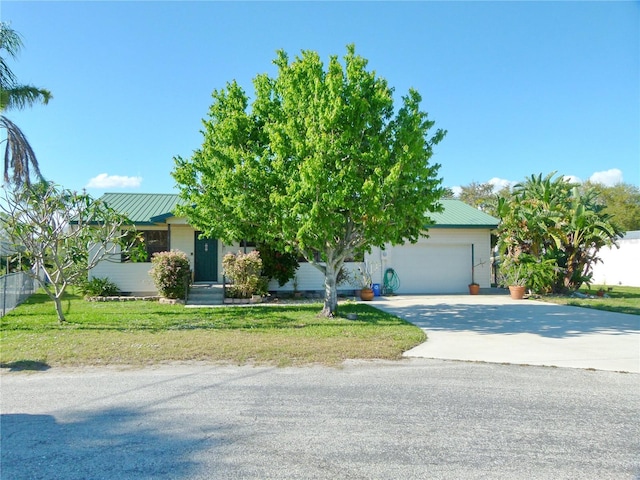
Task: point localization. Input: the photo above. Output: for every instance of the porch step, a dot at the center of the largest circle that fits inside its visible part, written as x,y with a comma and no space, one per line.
203,294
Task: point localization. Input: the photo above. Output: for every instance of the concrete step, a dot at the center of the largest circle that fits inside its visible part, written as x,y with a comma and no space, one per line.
205,294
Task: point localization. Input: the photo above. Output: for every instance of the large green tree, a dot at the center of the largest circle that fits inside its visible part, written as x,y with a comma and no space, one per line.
621,201
319,163
19,159
62,234
550,219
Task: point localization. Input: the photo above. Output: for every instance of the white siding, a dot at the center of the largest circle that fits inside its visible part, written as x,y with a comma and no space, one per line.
438,264
130,277
183,240
309,278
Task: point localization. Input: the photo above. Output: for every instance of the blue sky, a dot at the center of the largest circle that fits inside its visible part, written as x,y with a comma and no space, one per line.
522,88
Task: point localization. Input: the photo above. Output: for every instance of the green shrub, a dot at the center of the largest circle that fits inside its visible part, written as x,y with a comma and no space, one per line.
98,287
278,265
244,270
535,274
171,273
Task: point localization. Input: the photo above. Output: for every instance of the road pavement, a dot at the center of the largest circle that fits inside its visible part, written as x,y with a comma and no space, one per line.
412,419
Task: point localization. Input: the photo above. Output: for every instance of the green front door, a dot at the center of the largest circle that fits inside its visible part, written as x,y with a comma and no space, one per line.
206,259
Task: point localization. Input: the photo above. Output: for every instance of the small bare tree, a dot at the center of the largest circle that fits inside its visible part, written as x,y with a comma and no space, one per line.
64,234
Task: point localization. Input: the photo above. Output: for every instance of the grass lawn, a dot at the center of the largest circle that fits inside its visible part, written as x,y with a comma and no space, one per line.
142,333
617,299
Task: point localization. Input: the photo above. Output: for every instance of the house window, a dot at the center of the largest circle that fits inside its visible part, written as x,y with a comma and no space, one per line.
154,241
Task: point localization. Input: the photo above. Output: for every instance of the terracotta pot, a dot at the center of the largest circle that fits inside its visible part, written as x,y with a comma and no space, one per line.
474,289
516,292
366,294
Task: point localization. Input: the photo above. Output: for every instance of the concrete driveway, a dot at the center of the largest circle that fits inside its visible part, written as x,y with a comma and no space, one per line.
495,328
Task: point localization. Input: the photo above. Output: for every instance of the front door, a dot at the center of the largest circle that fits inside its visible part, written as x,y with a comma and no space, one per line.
206,259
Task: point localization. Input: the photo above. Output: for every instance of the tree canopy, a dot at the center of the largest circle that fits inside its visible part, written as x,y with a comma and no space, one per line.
61,233
621,201
319,163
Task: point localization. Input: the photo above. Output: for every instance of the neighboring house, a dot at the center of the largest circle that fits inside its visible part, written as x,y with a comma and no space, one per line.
620,266
439,264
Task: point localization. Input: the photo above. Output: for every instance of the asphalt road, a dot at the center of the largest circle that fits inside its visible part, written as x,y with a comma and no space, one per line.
413,419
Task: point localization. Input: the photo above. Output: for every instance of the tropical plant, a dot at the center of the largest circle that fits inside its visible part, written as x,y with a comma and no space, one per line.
18,156
320,165
527,271
554,221
171,273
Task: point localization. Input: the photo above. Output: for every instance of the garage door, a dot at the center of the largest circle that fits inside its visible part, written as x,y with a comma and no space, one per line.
431,268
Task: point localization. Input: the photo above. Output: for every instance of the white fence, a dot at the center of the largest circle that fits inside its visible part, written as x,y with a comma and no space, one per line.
15,288
620,266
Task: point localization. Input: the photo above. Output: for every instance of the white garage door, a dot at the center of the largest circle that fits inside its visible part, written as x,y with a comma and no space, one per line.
431,268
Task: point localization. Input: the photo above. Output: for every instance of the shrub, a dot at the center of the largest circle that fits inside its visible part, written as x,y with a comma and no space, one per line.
244,270
527,271
98,287
171,273
278,265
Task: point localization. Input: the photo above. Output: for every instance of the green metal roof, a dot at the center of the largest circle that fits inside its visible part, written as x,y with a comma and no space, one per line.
143,208
458,214
151,208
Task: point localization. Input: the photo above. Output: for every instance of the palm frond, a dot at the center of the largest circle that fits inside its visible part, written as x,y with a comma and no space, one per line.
19,157
21,96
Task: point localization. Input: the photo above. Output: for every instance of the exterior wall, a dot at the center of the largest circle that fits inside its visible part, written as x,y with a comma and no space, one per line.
307,278
438,264
620,266
130,277
447,268
182,239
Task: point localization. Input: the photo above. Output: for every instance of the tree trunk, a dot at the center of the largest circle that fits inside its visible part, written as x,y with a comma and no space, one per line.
330,291
58,303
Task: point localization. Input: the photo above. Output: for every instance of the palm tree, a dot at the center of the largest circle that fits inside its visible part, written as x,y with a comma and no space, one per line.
18,154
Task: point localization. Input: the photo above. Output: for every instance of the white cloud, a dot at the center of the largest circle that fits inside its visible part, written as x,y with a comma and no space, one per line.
572,179
608,177
500,183
114,181
456,191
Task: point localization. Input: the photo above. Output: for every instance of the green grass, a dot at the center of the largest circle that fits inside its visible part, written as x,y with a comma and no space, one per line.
142,333
619,299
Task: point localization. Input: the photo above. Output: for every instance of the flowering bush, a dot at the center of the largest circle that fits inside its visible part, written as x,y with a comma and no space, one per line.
171,273
244,270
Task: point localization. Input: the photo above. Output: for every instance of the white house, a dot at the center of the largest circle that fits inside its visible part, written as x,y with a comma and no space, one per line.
441,263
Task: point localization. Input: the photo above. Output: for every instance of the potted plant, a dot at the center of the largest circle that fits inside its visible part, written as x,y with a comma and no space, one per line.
514,276
474,287
364,278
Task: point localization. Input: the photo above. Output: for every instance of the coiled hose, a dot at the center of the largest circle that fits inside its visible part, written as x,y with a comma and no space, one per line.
391,282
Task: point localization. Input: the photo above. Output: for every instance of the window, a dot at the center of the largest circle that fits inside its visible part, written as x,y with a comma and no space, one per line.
154,241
